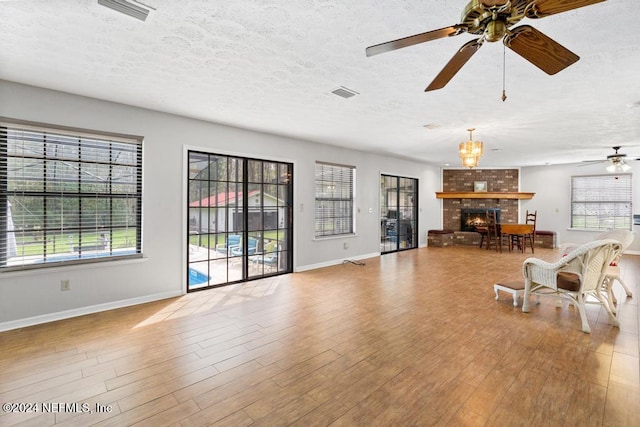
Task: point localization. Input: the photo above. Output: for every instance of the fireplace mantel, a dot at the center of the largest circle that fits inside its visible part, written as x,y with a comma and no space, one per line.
483,195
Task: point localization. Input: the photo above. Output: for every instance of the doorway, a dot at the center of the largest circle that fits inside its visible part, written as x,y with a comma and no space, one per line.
240,214
398,213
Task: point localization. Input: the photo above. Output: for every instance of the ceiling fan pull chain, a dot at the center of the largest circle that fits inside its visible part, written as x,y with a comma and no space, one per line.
504,67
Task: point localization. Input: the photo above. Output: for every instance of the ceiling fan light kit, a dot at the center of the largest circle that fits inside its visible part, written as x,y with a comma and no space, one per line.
618,164
492,21
618,167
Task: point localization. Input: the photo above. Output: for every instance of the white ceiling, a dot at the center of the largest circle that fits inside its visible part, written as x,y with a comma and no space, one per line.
271,66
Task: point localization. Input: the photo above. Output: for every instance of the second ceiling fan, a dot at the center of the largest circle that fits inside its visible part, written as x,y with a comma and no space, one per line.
492,19
617,161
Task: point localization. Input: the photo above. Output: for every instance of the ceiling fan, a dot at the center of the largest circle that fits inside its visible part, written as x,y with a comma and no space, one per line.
616,161
493,19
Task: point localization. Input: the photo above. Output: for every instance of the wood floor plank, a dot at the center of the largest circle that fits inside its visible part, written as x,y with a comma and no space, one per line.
491,391
411,338
13,391
139,413
171,416
586,405
213,410
248,355
625,370
465,417
237,419
322,415
626,343
281,409
622,406
214,381
596,368
99,411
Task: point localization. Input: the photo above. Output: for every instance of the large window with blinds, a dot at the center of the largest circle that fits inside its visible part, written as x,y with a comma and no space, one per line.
69,196
334,199
601,202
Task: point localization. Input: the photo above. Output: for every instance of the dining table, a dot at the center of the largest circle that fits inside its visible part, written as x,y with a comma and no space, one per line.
516,234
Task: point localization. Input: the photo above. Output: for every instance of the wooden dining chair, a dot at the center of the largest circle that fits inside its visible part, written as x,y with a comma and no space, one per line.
493,232
530,218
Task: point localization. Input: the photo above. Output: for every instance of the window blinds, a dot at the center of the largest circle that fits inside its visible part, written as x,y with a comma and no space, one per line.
68,196
334,199
601,202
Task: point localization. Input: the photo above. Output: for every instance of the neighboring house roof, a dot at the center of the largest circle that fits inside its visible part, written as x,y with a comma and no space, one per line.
225,199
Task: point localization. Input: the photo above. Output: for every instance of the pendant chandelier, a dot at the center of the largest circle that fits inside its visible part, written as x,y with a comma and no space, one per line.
471,151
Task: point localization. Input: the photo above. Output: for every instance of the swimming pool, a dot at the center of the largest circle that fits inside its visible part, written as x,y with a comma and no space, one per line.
197,278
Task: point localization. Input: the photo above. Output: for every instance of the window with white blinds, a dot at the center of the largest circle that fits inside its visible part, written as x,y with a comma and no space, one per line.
69,196
601,202
334,199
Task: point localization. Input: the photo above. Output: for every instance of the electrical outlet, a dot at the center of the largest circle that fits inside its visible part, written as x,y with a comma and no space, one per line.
345,245
65,285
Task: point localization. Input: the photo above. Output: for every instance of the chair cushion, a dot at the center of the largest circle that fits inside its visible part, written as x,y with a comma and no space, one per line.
568,281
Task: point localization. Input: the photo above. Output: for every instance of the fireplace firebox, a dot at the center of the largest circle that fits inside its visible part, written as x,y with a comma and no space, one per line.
470,218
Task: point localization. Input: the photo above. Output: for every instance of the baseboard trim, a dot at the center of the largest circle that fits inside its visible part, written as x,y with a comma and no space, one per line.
302,268
60,315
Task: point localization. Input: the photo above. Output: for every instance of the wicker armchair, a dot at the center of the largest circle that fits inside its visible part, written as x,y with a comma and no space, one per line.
575,276
625,237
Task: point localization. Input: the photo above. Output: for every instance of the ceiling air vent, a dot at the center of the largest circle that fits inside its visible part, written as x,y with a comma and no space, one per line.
126,7
431,126
344,92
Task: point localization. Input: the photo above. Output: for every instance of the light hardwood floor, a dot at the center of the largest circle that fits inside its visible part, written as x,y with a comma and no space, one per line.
414,338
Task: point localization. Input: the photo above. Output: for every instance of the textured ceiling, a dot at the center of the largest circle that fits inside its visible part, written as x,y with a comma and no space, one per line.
271,66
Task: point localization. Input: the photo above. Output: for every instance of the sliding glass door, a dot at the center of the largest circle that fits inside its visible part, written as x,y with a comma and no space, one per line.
398,213
240,219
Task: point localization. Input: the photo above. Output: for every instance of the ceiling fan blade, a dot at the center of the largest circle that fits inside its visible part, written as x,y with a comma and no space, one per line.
591,162
415,39
539,49
453,66
542,8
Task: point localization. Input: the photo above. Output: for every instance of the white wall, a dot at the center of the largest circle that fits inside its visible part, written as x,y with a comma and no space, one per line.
33,297
552,185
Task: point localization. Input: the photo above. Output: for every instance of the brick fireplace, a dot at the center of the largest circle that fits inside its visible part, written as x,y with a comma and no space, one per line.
498,180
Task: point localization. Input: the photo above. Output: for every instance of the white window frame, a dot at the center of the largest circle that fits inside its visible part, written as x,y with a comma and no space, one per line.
77,196
601,202
334,200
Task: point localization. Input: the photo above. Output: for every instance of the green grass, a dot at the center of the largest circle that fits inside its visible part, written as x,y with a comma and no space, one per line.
33,244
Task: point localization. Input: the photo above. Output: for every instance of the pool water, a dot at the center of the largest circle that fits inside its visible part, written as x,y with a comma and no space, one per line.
197,278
